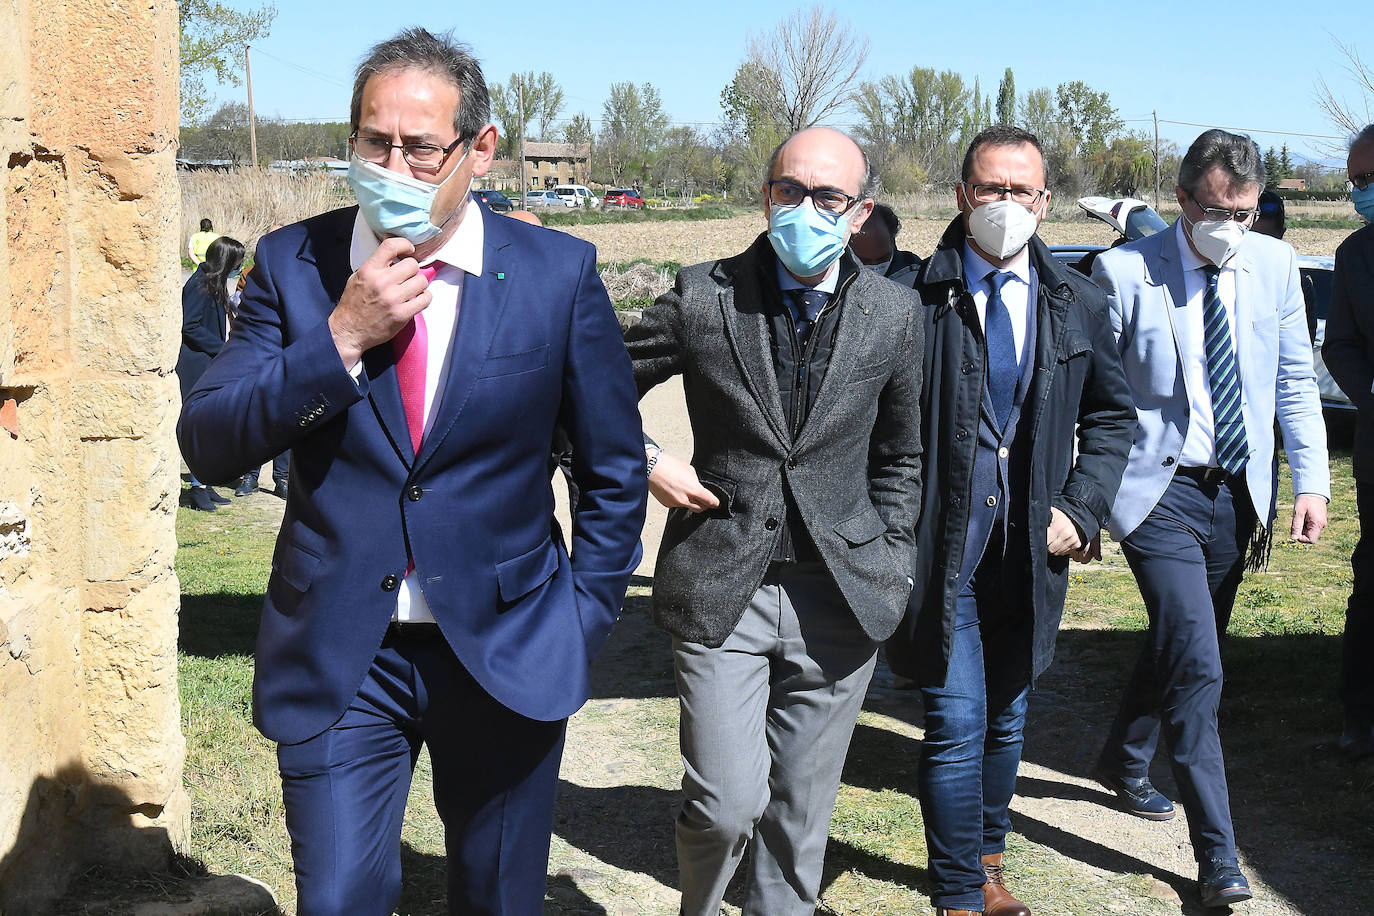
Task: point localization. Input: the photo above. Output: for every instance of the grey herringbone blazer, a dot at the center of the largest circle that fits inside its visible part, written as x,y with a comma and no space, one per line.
853,467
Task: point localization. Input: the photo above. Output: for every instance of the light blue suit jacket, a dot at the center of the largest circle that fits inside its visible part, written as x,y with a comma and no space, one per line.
1148,303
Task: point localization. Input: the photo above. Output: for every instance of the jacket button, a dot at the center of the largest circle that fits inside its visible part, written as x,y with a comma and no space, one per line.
1003,452
771,524
791,463
414,494
992,501
304,422
966,368
1167,461
390,583
960,436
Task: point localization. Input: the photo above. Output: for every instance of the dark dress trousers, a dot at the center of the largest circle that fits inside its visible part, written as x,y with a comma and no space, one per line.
1348,352
518,621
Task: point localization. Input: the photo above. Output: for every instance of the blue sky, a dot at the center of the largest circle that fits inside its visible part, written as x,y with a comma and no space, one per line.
1254,67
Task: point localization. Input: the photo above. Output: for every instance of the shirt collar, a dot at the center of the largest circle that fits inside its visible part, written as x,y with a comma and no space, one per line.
463,249
977,268
827,285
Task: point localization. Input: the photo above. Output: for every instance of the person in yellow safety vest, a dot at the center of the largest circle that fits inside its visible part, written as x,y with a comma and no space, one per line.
200,242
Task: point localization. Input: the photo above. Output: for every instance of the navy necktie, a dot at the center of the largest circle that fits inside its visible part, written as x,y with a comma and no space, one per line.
1228,425
1003,368
806,307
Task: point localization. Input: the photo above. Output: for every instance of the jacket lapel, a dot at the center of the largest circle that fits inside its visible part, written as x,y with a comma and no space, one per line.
1175,299
479,315
1244,313
851,335
329,253
745,319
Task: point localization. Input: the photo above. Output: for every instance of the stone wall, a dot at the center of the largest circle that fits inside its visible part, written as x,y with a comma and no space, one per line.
90,745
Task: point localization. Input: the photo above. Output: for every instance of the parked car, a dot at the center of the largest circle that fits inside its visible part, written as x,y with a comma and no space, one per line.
1131,218
577,195
623,198
498,202
1316,275
542,199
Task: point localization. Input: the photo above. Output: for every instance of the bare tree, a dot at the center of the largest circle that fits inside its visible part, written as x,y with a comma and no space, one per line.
1349,117
805,68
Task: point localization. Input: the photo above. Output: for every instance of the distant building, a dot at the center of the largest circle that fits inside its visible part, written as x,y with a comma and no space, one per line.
1293,184
546,165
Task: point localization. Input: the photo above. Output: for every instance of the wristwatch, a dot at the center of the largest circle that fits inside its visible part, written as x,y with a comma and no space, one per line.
651,452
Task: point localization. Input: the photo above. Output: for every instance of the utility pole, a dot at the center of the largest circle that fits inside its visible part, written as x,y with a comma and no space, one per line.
520,82
252,127
1155,114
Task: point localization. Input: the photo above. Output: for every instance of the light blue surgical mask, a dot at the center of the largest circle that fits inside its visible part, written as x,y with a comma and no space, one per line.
1364,202
806,242
396,204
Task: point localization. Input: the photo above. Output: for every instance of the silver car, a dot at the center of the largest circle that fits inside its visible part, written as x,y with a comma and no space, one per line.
543,199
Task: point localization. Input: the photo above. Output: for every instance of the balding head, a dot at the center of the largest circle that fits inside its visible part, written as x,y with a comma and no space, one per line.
830,144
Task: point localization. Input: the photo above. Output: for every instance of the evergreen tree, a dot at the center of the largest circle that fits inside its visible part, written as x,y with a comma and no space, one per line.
1006,99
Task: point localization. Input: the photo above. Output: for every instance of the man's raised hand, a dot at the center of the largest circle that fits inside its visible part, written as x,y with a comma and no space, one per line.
381,296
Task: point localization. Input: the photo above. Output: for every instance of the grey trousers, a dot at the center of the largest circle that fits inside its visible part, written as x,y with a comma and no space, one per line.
766,723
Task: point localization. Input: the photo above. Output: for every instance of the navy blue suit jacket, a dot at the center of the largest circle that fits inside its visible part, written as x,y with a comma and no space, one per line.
536,344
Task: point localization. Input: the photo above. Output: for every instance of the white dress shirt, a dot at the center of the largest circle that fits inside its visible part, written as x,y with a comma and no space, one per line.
461,255
1200,443
1016,292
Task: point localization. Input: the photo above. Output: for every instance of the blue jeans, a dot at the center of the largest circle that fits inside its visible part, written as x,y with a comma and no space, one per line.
972,747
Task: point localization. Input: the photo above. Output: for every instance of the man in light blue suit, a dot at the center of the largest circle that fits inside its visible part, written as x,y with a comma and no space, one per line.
415,354
1210,322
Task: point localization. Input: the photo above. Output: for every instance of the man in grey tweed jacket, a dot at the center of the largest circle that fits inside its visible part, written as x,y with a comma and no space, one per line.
787,554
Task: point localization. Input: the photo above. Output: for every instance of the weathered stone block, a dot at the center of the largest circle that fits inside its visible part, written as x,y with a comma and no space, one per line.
128,532
36,204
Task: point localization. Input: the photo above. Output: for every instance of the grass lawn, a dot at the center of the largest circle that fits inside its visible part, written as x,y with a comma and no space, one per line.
1303,815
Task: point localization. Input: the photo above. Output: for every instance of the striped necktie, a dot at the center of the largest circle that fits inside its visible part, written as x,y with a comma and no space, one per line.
1228,424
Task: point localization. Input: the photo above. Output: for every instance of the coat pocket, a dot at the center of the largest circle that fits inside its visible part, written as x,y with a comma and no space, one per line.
512,363
518,576
860,529
723,488
295,566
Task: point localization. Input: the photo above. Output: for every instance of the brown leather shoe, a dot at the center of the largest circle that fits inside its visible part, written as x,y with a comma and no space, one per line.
997,900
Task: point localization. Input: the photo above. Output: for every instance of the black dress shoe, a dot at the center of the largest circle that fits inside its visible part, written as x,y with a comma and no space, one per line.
198,499
247,486
1220,883
279,489
215,497
1137,796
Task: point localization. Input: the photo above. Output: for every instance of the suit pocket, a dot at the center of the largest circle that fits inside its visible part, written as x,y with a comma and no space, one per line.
864,373
295,566
1075,344
724,490
513,363
518,576
860,529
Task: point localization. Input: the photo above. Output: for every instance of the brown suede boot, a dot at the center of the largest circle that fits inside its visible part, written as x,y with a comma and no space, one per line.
997,900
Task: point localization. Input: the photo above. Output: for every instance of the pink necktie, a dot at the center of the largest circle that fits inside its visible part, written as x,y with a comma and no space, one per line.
411,345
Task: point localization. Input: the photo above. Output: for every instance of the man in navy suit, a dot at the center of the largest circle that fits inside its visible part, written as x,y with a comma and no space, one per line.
414,354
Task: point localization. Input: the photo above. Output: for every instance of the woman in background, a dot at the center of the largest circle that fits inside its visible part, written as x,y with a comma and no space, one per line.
204,310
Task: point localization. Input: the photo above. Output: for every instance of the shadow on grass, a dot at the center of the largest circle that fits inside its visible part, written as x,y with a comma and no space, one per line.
425,891
213,626
1303,815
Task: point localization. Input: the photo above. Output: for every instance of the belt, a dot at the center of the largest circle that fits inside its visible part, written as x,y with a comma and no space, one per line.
419,630
1211,476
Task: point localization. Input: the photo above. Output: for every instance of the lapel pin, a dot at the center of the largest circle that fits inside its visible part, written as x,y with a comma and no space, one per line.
500,276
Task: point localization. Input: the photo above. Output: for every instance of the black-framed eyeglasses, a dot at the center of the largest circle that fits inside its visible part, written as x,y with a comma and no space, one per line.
831,203
417,155
1361,181
989,193
1221,214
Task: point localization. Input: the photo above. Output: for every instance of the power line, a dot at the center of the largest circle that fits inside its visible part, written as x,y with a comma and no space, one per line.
334,81
1254,130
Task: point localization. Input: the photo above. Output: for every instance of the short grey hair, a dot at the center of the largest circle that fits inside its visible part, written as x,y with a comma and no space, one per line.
1235,154
867,188
1360,139
440,55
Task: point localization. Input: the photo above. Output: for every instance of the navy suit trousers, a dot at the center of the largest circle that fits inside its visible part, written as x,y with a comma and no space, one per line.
495,777
1188,558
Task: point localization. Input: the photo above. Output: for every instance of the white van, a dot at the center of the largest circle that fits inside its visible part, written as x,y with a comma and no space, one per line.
577,195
